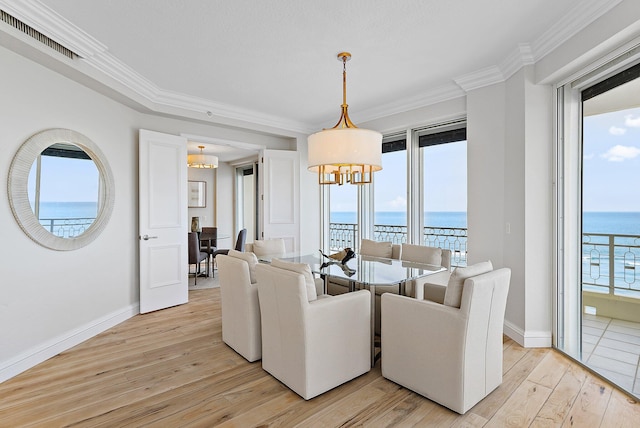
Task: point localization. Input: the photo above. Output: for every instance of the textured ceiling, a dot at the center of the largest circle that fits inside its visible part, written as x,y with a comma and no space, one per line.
278,58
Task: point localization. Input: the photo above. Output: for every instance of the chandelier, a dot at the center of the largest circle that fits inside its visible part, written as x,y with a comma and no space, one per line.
345,153
201,160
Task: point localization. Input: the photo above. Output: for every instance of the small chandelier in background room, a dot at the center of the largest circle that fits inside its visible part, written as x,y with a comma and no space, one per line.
345,153
201,160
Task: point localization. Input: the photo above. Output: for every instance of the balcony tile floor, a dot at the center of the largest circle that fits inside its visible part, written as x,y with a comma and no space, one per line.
612,348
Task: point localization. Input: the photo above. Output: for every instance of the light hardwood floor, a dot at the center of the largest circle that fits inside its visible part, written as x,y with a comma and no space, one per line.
170,368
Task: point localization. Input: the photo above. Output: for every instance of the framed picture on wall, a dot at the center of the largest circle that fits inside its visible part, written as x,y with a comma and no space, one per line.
197,194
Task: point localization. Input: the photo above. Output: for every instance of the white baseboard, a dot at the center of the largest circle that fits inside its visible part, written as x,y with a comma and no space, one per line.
528,339
63,342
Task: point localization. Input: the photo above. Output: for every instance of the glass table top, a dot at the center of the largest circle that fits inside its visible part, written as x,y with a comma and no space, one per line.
364,269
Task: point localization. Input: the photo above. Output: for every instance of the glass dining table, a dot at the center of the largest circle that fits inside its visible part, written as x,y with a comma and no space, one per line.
365,272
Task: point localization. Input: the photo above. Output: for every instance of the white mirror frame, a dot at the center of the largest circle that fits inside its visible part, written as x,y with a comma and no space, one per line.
19,197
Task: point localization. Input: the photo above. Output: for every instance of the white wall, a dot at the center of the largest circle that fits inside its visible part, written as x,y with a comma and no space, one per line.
225,205
527,209
50,296
207,214
538,216
310,223
52,300
486,174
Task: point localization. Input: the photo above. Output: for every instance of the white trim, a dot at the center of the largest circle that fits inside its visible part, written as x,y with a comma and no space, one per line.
95,54
480,78
529,53
223,142
65,341
521,56
583,14
433,96
53,25
527,339
514,332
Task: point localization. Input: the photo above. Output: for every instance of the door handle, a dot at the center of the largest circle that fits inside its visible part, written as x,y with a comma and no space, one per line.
147,237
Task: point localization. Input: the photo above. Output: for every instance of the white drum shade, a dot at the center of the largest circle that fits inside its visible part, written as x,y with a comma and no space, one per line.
338,147
202,161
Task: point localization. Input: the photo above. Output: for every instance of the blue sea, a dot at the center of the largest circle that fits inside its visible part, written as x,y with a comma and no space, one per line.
622,223
58,210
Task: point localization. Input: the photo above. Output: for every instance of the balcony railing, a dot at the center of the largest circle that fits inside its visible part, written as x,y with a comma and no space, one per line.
609,264
601,273
343,235
66,227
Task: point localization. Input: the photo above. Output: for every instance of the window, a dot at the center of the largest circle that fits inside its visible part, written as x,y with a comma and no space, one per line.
444,184
343,207
419,196
390,193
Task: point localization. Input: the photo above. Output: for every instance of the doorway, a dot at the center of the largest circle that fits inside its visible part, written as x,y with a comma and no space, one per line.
598,226
247,200
611,228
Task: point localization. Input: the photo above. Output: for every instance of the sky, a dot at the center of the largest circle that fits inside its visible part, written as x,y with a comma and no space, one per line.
78,183
611,161
444,163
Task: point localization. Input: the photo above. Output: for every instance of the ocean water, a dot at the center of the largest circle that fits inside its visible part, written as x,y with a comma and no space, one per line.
617,223
67,219
59,210
395,218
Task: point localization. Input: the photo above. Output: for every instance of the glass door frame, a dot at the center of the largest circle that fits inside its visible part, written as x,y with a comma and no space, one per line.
567,198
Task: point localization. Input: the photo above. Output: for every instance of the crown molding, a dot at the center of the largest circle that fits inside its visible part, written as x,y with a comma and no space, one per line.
528,54
521,56
480,78
445,92
97,56
131,79
570,24
54,26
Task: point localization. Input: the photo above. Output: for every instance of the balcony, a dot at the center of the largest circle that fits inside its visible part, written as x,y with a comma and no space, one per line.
611,319
342,235
66,227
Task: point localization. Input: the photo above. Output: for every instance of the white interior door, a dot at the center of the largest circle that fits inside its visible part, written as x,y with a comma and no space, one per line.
280,196
162,221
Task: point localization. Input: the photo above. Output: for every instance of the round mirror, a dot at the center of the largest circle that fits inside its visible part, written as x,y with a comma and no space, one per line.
60,189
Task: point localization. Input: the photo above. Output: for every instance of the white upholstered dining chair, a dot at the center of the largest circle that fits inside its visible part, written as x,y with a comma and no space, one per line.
451,355
239,302
311,346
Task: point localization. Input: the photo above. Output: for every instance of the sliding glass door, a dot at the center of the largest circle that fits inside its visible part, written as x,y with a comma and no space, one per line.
598,317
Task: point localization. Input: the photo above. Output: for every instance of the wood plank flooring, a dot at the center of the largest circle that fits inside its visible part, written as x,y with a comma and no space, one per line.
171,369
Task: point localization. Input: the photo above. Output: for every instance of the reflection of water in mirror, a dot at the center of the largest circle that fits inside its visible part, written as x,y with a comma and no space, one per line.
65,198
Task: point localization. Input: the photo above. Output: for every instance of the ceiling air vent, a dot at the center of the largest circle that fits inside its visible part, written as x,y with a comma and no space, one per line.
31,32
